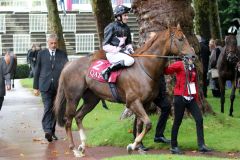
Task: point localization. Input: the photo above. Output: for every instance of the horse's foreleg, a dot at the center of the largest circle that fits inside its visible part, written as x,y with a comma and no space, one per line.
232,97
222,90
139,111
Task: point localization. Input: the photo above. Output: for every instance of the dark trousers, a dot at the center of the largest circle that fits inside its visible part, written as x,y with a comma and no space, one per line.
48,120
164,105
1,102
179,107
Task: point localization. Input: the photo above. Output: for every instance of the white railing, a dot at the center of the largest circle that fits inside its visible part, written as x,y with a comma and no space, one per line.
68,22
2,23
84,43
37,23
0,45
21,43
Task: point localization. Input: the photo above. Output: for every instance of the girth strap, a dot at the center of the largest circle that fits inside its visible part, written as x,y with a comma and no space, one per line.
114,92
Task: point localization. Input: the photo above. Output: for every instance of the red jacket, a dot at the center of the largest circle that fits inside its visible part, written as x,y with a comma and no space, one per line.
180,87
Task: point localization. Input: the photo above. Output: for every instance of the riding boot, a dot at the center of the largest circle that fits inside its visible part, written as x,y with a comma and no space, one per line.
106,73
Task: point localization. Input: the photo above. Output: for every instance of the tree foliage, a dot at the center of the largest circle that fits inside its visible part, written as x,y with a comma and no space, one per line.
228,9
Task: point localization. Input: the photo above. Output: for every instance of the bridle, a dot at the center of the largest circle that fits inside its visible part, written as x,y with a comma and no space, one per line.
179,46
172,36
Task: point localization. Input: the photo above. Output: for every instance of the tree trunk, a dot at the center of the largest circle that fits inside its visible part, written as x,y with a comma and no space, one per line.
54,23
103,13
214,20
202,24
155,16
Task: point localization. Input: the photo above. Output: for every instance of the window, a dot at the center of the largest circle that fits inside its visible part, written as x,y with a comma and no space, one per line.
84,43
21,43
68,22
2,23
38,23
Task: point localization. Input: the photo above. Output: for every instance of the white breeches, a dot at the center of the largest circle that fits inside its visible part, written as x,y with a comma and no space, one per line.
116,57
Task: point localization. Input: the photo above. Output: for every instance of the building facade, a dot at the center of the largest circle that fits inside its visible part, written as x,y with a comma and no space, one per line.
24,22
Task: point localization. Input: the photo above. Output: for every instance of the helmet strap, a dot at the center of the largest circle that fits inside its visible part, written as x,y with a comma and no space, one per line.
119,18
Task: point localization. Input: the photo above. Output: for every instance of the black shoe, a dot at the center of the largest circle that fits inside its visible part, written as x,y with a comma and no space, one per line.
142,147
54,137
48,136
162,140
176,150
204,148
105,74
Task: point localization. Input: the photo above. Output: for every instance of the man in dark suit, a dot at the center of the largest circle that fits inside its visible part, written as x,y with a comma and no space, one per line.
49,65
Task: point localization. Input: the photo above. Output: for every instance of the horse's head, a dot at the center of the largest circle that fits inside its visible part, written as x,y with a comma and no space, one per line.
231,50
178,43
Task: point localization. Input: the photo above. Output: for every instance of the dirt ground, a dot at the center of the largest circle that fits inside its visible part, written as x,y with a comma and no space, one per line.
21,135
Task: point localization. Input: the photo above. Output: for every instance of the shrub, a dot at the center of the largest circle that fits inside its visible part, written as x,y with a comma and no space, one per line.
22,71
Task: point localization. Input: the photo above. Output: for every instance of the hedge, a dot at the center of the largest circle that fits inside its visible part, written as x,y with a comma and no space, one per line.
22,71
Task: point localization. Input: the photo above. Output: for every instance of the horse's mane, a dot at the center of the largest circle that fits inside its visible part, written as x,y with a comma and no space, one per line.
148,44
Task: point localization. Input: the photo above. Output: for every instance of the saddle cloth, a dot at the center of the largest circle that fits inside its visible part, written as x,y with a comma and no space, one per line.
97,67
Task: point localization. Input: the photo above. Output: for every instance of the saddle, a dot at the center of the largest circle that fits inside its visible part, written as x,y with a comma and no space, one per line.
97,67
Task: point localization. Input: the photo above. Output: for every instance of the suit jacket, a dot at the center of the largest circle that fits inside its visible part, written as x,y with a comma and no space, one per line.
4,69
47,71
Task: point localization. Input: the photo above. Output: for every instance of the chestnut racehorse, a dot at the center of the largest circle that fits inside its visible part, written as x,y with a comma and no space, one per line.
137,86
227,68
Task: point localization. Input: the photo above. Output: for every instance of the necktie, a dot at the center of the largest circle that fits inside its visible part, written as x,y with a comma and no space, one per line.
52,59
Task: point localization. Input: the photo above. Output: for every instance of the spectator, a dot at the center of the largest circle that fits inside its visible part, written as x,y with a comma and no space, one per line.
215,48
5,68
204,55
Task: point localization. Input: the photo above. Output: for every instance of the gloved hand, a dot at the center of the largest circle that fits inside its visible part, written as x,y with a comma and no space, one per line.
130,50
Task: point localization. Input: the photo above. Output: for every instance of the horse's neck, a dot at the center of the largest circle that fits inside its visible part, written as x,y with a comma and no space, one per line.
154,65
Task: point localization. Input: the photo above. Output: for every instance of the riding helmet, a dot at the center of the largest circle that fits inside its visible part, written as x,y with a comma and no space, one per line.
121,9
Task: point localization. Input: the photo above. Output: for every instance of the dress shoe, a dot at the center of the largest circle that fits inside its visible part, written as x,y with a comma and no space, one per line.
142,147
204,148
162,140
176,150
54,137
48,136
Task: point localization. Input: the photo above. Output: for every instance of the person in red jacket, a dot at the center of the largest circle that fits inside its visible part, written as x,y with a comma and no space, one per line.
185,96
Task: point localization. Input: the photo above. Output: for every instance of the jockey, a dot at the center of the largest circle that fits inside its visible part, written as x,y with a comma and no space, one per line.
118,42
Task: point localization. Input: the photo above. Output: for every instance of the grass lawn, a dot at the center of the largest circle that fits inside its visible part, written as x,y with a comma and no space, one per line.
221,131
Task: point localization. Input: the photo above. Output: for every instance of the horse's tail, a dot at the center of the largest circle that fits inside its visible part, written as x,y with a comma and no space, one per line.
60,104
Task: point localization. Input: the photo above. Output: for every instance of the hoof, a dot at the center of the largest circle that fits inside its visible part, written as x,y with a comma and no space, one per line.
81,149
71,146
129,149
77,153
140,151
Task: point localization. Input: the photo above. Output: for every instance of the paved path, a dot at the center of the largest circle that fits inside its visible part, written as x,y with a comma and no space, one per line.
21,135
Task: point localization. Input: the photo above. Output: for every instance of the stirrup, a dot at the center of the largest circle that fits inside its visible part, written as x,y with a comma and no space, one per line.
105,75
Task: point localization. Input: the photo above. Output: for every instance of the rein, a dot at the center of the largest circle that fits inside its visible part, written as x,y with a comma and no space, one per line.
155,56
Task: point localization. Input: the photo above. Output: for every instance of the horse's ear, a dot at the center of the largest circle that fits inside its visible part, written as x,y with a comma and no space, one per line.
178,27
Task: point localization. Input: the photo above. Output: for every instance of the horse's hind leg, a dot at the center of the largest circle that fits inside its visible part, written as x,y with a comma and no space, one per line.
70,114
90,101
